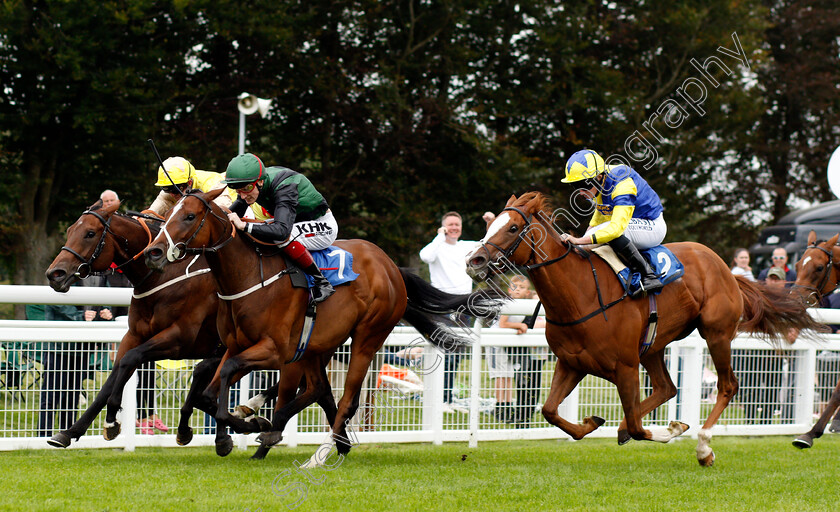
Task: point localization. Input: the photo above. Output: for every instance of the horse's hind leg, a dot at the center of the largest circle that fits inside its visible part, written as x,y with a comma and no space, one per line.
807,440
562,383
663,389
721,353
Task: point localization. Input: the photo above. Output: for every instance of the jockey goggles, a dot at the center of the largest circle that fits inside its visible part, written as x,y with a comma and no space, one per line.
244,188
175,189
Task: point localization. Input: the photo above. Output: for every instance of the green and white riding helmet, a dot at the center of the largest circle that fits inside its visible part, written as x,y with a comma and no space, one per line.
243,170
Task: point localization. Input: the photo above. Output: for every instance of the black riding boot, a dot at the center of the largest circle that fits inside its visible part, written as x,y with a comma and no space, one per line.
322,288
637,263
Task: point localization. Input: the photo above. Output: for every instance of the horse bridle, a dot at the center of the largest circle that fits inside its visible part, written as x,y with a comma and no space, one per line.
179,251
506,253
88,263
817,291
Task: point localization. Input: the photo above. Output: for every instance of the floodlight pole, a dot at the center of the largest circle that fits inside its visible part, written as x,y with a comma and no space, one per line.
241,133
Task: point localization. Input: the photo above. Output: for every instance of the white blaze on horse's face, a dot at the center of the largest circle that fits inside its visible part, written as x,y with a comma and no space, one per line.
805,262
497,225
173,253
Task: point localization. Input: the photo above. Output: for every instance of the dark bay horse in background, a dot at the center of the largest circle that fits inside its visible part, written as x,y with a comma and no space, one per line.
265,326
172,314
817,275
607,343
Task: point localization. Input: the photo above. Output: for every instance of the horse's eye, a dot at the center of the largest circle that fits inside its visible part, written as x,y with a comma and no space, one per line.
514,228
191,216
820,268
90,234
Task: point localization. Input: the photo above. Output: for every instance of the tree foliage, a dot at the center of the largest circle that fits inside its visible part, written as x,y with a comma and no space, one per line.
400,111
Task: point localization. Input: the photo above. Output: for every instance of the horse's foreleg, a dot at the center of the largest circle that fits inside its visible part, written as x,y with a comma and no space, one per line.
289,404
563,382
807,440
158,347
202,374
257,357
663,389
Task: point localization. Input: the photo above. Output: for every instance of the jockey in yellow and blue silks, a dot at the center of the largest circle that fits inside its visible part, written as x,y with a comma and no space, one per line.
628,213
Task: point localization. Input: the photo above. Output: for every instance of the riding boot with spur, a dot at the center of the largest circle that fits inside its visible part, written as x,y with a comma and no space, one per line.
637,263
303,258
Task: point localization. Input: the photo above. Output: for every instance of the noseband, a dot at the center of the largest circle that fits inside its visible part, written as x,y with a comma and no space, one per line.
86,263
507,253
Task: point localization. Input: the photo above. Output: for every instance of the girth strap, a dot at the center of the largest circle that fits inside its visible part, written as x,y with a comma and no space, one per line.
306,332
650,329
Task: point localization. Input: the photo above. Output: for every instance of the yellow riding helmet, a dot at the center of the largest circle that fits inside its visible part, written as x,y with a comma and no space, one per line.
583,165
179,169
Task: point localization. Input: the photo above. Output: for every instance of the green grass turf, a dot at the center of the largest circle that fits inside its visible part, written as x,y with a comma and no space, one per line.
750,474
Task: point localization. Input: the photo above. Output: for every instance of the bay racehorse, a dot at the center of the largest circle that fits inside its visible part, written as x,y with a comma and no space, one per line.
160,326
817,275
268,312
594,328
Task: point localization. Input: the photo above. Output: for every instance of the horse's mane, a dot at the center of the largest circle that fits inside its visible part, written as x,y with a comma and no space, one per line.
154,227
534,202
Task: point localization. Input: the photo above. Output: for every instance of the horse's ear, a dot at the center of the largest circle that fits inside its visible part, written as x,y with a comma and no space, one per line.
111,209
213,194
812,237
511,200
832,241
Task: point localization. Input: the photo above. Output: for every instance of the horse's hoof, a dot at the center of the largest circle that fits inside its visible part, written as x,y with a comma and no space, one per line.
270,438
184,436
60,440
342,447
598,420
834,427
111,432
803,441
677,428
623,437
224,446
260,424
708,460
243,412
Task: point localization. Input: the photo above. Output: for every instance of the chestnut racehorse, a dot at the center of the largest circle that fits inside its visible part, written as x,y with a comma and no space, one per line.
172,315
268,312
817,275
593,328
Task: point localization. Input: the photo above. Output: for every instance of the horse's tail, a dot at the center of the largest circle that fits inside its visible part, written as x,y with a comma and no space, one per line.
428,308
771,313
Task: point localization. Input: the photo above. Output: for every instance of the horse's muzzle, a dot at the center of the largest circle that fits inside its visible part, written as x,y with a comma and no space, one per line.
59,279
154,258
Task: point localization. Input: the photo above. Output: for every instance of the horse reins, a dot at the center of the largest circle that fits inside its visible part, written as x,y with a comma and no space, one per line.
178,251
569,246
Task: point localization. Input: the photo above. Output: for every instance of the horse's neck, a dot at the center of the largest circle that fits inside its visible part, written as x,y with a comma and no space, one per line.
122,229
237,266
565,286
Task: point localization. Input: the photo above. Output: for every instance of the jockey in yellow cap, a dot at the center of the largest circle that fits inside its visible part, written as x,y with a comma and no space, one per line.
183,176
628,213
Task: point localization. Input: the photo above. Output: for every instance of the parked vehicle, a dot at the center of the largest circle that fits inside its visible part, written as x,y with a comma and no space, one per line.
792,231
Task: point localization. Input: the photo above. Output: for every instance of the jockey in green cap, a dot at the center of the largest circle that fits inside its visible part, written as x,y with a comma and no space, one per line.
302,218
